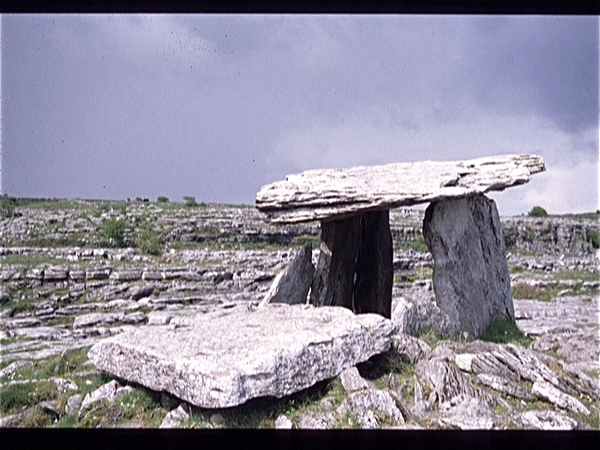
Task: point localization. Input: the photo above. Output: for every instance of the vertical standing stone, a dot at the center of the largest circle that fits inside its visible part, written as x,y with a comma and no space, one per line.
355,268
470,275
333,282
374,265
292,285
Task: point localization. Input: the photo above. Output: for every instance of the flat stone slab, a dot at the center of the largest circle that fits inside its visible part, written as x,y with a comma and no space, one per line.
224,358
336,193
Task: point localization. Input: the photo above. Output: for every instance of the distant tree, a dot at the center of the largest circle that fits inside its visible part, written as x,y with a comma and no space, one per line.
538,211
162,199
190,201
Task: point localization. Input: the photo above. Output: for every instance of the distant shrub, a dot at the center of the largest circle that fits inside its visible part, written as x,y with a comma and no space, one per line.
7,207
114,230
162,199
538,211
190,201
149,242
594,237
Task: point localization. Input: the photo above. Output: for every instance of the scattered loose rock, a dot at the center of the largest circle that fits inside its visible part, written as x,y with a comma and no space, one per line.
174,418
283,423
352,381
370,406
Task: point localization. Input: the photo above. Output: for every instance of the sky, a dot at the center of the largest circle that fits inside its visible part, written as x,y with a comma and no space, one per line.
216,106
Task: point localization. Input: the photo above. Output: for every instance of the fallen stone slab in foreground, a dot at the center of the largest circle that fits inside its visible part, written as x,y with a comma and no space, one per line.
224,358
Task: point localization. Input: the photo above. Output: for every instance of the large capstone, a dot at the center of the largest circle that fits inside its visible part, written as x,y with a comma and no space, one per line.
471,281
225,358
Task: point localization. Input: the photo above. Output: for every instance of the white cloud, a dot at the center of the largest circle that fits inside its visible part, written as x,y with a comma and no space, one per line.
382,135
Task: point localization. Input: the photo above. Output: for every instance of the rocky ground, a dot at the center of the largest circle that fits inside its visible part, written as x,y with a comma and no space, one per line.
73,273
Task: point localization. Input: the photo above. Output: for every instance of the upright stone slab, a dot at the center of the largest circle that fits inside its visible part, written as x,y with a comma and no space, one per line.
355,267
374,265
470,274
291,286
333,283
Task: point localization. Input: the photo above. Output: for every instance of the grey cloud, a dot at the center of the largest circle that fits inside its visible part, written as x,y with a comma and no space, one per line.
111,106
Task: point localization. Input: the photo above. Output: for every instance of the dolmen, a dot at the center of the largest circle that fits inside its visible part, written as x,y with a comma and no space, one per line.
461,229
225,357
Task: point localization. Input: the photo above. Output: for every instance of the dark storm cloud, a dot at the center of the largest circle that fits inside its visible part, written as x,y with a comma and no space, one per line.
216,106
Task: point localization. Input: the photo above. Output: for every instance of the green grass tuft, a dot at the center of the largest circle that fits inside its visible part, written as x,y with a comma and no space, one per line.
503,331
16,397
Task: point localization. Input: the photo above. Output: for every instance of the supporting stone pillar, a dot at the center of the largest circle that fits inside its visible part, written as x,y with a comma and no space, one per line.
334,277
355,266
470,275
374,265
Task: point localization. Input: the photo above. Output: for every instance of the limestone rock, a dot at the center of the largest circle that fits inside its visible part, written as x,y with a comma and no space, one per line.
581,346
316,421
327,193
445,379
470,276
352,381
174,418
109,391
126,275
14,366
547,391
292,285
283,423
73,404
51,407
466,413
368,405
546,420
226,357
410,349
333,282
505,386
63,384
139,292
88,320
416,317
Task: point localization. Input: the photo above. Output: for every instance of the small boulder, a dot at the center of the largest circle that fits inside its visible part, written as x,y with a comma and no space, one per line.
174,418
283,423
352,381
409,348
370,406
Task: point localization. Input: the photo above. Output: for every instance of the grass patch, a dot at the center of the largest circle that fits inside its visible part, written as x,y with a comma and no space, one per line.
503,331
577,275
65,364
524,291
419,245
516,269
263,412
143,406
149,243
16,397
31,260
